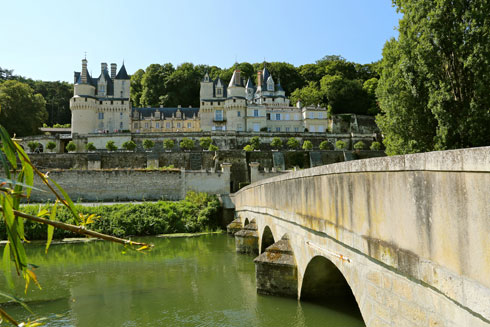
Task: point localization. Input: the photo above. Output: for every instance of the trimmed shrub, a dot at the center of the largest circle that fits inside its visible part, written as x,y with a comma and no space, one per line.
340,145
276,143
359,145
255,142
325,145
148,144
111,146
90,147
32,145
168,144
205,142
129,145
248,148
71,146
293,143
307,145
213,147
375,146
50,145
187,144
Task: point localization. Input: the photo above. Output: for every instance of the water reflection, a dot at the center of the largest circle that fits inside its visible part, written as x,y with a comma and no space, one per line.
182,282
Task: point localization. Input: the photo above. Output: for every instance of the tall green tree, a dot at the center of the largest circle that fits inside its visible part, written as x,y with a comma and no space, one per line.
137,87
154,84
21,110
433,90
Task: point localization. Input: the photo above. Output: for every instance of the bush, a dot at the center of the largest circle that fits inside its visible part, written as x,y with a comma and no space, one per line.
90,147
307,145
71,146
255,142
129,145
168,144
325,145
213,147
375,146
359,145
50,145
110,146
197,212
276,143
187,144
32,145
205,142
293,143
340,145
148,144
248,148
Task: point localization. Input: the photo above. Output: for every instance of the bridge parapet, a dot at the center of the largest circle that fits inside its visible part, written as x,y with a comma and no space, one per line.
423,217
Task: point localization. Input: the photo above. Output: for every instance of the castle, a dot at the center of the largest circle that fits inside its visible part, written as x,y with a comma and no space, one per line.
102,105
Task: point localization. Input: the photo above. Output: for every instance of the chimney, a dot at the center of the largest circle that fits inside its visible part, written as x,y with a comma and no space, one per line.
237,78
113,70
84,70
103,67
259,78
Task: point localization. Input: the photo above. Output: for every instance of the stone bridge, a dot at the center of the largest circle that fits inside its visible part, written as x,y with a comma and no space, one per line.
408,236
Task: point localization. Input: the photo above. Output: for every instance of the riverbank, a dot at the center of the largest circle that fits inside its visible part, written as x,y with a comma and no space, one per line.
198,212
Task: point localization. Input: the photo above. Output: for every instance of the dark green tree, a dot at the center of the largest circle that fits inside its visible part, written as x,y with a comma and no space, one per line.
137,87
21,110
154,83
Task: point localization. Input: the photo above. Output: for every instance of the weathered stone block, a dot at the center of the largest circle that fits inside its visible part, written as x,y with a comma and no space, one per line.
247,239
234,226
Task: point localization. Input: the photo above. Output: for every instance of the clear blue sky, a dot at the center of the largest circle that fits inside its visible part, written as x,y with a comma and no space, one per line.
47,39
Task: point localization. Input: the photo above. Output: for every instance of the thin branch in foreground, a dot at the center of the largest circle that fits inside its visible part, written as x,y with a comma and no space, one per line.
79,230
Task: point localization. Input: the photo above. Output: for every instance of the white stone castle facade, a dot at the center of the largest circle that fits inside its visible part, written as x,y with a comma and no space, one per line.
102,105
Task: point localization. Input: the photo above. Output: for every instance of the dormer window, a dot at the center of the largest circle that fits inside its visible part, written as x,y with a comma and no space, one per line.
219,91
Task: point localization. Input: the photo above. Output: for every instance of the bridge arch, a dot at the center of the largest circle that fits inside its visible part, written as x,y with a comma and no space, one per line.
246,222
324,282
267,239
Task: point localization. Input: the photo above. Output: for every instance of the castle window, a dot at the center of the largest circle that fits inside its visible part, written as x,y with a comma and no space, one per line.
211,102
112,102
135,125
320,129
239,113
287,129
157,125
296,129
189,125
256,113
218,115
202,103
320,115
278,129
234,100
121,115
122,102
278,116
218,91
101,115
312,115
178,125
121,125
100,102
219,103
287,117
167,125
146,125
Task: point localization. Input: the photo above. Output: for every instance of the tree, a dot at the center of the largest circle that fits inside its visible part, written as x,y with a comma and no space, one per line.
433,90
51,145
205,142
111,146
148,144
293,143
344,95
71,146
375,146
369,87
168,144
310,95
340,145
255,142
359,145
154,83
137,87
90,146
307,145
129,145
21,110
325,145
187,144
276,143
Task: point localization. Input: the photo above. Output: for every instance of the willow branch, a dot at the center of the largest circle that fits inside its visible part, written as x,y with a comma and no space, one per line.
78,229
8,317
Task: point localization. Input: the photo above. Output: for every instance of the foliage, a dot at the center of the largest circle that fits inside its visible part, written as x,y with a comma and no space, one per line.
309,95
307,145
341,145
148,144
205,142
255,142
32,145
433,90
71,146
111,146
129,145
90,146
51,145
213,147
187,144
293,143
375,146
325,145
248,148
359,145
22,111
276,143
168,144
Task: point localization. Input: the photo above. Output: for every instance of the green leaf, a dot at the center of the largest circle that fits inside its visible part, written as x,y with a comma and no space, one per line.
67,199
5,164
52,216
17,300
6,265
8,147
8,211
27,168
14,183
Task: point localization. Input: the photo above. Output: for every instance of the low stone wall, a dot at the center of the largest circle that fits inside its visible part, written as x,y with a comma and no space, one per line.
133,185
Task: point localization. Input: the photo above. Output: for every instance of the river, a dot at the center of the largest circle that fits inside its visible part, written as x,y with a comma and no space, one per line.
198,281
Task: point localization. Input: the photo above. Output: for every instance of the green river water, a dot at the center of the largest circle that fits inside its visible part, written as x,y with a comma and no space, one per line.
198,281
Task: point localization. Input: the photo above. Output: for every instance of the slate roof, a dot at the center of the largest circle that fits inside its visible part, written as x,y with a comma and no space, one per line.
122,73
250,84
167,112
